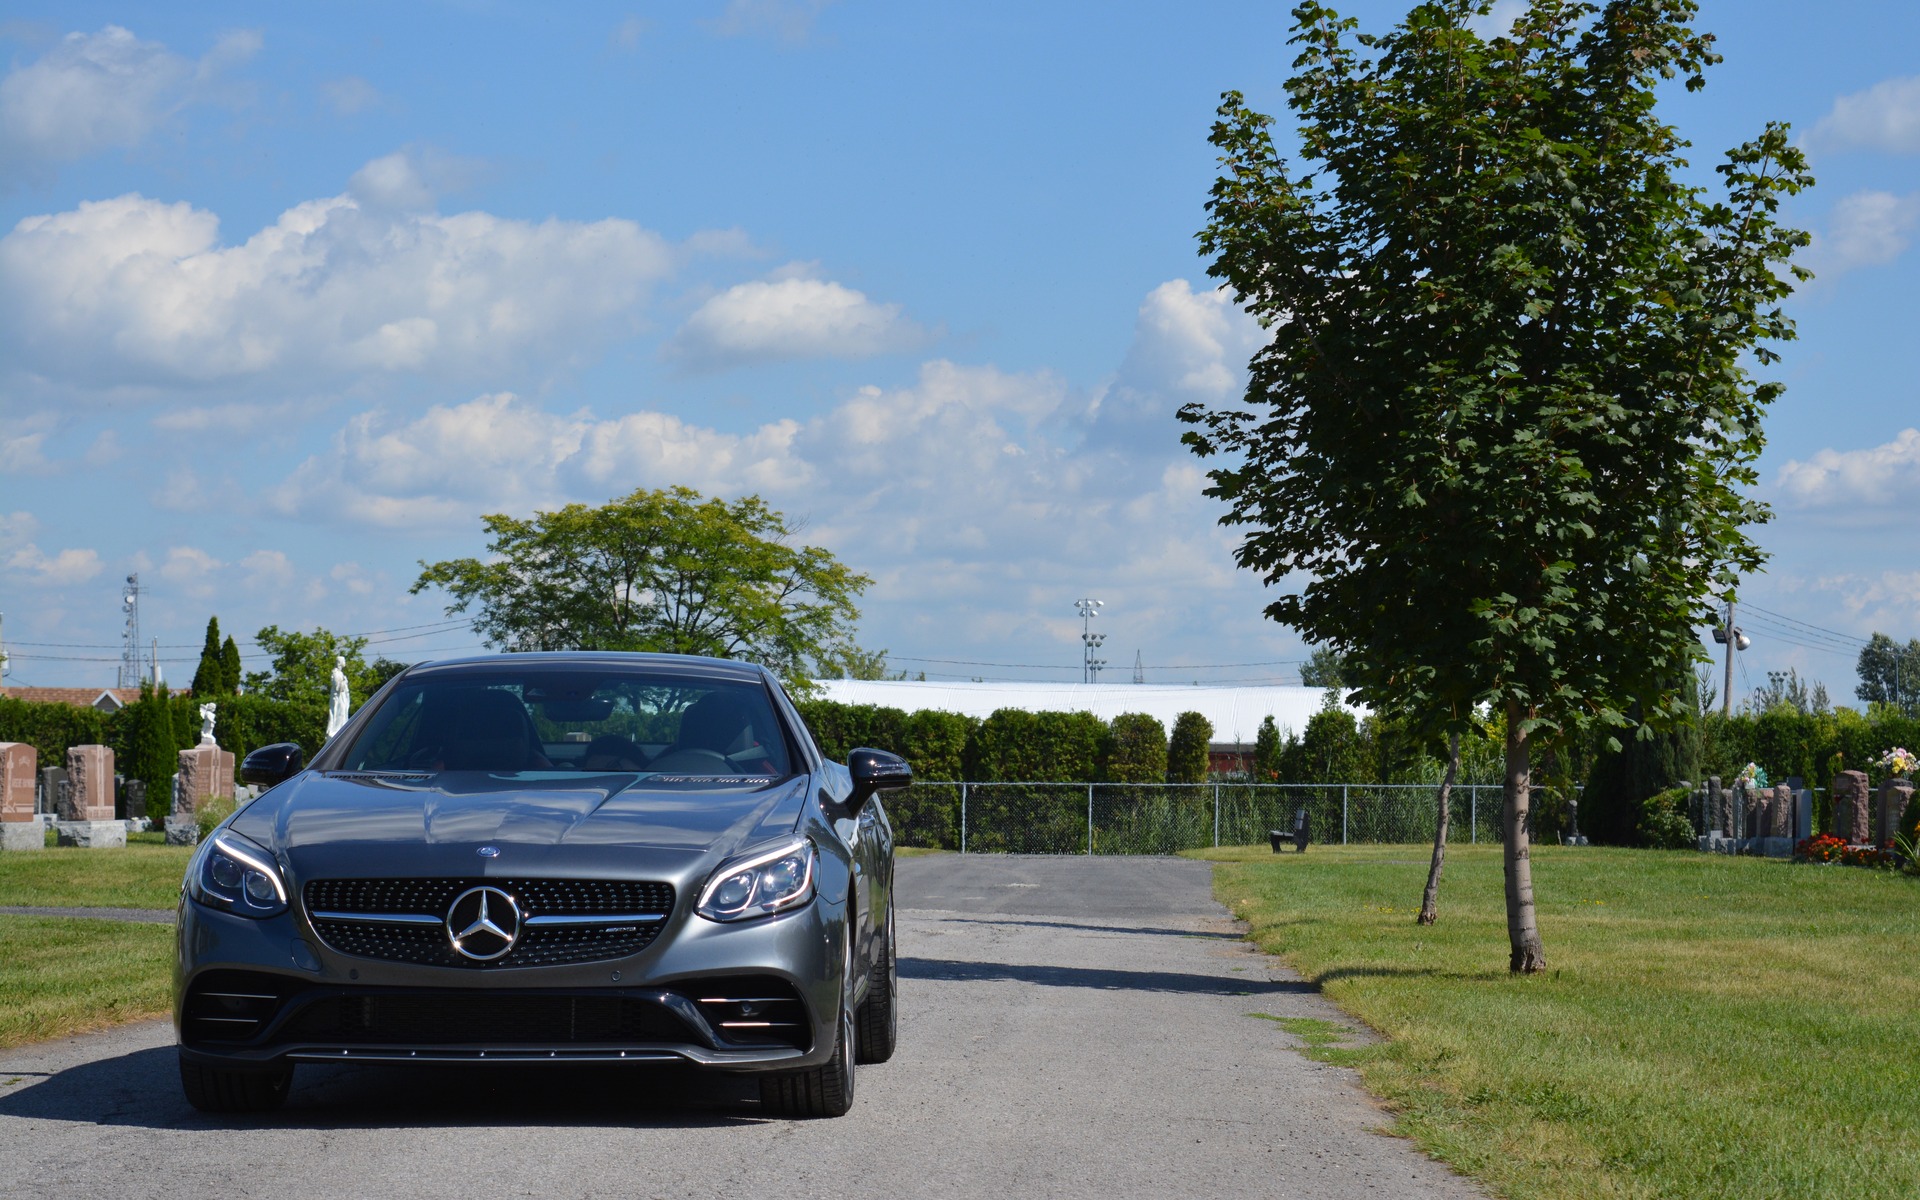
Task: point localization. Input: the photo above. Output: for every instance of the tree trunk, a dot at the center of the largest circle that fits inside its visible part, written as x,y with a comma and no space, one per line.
1430,902
1523,935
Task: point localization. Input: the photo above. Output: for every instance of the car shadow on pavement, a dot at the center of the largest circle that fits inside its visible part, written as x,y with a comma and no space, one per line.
1044,923
1098,978
142,1089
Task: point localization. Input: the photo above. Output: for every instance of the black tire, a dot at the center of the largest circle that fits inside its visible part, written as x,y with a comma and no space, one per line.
823,1091
877,1023
228,1090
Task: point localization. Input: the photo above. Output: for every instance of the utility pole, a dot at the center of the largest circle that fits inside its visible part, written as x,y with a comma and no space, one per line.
6,668
1735,640
1089,664
155,660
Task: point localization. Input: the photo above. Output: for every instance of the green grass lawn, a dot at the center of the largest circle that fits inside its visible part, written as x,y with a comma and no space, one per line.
62,975
138,876
1707,1027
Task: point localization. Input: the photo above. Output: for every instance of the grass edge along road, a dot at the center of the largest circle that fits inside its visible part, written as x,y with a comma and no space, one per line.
65,975
1707,1026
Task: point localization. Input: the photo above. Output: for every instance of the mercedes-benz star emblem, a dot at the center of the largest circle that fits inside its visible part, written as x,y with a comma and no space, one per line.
483,923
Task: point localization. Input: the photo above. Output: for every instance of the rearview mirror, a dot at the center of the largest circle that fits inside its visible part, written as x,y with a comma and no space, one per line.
273,764
875,771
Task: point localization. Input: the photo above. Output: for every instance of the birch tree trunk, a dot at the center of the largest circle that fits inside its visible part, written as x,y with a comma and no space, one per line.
1430,902
1523,935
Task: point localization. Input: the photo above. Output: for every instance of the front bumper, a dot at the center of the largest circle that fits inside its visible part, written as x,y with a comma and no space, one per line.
755,996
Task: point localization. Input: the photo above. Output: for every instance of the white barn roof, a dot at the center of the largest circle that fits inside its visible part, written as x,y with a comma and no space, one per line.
1236,712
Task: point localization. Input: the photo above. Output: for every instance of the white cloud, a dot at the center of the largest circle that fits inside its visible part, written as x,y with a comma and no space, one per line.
191,571
99,91
1865,229
132,290
1187,346
349,95
788,20
67,567
17,527
790,318
627,34
1884,117
1883,477
1863,602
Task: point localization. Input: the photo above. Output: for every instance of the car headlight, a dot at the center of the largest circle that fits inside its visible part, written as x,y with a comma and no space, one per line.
760,885
236,876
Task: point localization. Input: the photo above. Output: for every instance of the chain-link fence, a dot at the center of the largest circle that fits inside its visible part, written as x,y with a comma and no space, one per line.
1133,818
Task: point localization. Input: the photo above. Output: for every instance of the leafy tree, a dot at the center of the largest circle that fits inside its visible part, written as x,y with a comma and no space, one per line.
1332,749
210,678
848,661
1504,424
301,671
1786,687
1136,749
230,667
1323,669
1633,768
1266,751
153,755
656,570
1187,760
1890,673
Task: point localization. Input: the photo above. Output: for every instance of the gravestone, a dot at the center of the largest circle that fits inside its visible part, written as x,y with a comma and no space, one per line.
1894,795
1780,812
206,773
1851,820
18,828
53,780
88,808
1719,814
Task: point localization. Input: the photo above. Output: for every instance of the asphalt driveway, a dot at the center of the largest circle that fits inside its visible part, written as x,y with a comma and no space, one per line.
1070,1027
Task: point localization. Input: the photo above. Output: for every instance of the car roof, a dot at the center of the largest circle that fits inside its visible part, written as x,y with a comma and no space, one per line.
589,660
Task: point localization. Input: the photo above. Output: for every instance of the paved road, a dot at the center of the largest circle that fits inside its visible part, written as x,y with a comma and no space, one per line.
1071,1027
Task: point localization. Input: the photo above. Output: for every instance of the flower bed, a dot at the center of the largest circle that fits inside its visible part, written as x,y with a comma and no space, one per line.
1829,849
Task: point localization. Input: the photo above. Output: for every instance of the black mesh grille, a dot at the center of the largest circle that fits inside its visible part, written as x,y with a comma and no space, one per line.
232,1006
481,1018
428,945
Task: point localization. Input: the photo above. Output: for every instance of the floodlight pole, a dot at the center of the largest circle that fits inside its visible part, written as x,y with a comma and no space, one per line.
1090,641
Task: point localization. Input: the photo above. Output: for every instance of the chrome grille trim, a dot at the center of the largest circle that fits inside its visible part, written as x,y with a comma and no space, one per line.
380,918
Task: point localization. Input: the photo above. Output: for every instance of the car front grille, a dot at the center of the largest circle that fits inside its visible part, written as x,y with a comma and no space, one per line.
481,1018
562,920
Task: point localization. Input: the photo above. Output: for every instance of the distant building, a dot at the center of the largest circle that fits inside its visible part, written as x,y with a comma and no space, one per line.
1234,712
107,700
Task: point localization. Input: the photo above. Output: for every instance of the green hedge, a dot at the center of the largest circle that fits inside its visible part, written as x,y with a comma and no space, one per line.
51,728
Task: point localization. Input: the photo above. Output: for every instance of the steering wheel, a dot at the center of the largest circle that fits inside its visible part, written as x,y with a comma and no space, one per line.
692,760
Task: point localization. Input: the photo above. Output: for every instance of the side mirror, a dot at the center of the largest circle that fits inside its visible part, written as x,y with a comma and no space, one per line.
273,764
875,771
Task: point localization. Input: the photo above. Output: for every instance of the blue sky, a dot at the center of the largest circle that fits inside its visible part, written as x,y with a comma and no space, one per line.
289,296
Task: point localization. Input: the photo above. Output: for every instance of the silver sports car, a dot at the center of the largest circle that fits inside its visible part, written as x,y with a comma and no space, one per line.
549,858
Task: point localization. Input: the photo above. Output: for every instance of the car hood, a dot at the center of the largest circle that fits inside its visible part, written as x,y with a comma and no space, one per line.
339,824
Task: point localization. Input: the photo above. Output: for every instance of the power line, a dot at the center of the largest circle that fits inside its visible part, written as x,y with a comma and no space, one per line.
1845,637
370,635
965,662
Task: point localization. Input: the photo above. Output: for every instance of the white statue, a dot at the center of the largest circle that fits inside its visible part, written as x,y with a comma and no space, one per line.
206,723
337,701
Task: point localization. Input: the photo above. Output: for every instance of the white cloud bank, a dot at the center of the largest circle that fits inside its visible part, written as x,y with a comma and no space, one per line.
977,497
1884,117
1865,229
100,91
67,567
790,318
143,292
1883,477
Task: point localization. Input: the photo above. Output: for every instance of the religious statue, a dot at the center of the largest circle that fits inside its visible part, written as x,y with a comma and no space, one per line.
206,723
337,701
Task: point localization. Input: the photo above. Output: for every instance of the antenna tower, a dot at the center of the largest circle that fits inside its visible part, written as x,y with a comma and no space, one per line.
1139,672
130,637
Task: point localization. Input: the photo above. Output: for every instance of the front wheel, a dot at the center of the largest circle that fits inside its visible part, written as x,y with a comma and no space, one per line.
823,1091
227,1090
878,1021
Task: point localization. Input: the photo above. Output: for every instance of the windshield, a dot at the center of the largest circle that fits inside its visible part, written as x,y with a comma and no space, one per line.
691,730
